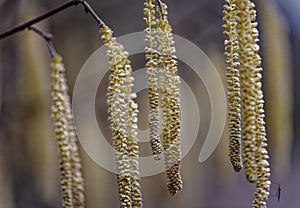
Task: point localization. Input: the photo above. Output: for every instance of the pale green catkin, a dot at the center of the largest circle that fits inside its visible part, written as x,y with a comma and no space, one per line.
72,182
77,179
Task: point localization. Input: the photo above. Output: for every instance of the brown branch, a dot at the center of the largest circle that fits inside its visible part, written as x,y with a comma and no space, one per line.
63,6
39,18
89,9
47,37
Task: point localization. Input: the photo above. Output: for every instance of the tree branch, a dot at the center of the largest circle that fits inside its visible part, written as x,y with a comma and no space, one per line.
39,18
48,38
89,9
50,13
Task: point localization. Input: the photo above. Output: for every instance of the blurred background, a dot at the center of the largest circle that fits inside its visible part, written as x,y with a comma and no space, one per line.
29,174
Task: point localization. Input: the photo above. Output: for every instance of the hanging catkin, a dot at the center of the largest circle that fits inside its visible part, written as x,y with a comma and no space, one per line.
77,177
152,72
233,81
247,77
240,19
72,182
170,101
123,112
262,157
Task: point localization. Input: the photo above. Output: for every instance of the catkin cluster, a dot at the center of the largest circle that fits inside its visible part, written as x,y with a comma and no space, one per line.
152,72
72,182
242,54
123,119
164,91
170,102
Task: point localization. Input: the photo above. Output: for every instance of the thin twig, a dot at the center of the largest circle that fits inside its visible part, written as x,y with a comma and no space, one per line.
63,6
90,10
39,18
47,37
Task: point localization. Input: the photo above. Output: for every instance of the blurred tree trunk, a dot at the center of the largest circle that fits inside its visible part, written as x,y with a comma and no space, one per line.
6,194
278,85
9,112
34,82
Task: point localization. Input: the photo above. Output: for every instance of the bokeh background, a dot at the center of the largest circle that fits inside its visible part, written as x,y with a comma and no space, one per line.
29,174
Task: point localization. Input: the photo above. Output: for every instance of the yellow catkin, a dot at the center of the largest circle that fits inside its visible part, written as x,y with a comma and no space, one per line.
262,157
72,183
248,91
152,72
123,118
255,155
77,178
233,81
170,101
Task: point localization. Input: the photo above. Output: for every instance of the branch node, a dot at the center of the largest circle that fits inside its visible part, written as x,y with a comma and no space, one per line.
47,37
22,26
89,9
